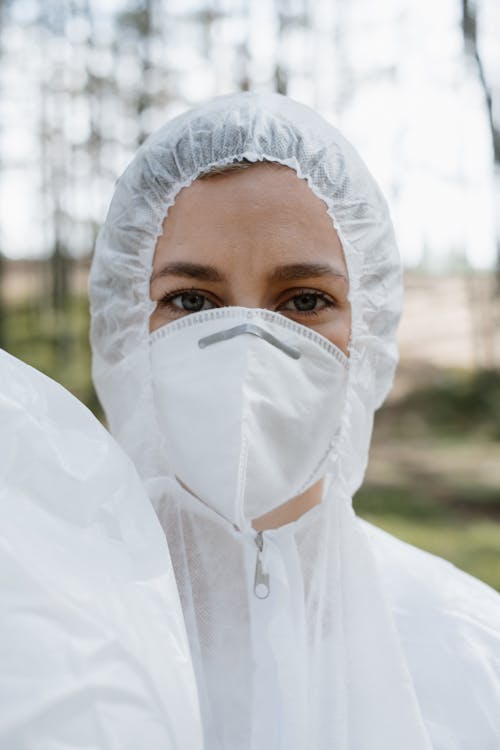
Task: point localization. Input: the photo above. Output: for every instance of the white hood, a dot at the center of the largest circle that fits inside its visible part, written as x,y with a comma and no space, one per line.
329,660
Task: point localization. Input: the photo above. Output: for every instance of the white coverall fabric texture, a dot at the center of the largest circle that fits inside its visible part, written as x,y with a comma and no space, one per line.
364,642
93,647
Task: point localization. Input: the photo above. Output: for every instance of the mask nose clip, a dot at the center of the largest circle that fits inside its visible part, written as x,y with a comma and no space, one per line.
253,329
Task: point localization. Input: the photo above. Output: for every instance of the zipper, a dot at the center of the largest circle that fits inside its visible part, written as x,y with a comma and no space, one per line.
261,587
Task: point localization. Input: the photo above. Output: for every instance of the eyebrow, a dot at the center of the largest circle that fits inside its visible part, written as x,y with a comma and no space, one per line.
286,272
191,270
296,271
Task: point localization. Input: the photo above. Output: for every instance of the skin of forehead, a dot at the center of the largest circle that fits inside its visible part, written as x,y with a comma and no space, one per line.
246,224
294,198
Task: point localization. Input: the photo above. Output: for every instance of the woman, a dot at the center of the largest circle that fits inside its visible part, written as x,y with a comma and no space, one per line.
245,294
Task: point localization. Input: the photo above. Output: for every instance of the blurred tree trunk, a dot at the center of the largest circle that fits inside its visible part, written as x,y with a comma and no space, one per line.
3,309
144,99
243,65
56,80
290,17
469,28
97,88
134,26
280,66
140,29
51,21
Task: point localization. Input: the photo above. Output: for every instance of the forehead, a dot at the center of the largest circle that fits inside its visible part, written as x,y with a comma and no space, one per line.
252,186
264,209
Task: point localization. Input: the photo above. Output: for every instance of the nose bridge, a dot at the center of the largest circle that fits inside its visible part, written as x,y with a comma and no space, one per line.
254,330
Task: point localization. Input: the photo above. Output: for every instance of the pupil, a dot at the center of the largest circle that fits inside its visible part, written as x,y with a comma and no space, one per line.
192,302
305,302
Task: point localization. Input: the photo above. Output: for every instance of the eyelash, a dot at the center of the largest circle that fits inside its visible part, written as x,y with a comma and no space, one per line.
166,300
327,301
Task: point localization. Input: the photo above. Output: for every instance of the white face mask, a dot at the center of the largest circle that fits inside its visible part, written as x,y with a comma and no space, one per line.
249,405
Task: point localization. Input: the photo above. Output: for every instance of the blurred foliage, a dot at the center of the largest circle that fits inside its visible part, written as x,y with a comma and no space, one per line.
434,474
55,342
456,403
426,483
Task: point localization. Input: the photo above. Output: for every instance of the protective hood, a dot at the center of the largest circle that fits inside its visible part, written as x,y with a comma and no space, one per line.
326,660
254,127
93,648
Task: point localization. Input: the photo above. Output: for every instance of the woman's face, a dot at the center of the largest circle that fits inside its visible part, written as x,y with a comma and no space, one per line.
255,237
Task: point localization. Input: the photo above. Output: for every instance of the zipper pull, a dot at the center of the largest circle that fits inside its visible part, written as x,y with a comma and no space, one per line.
261,582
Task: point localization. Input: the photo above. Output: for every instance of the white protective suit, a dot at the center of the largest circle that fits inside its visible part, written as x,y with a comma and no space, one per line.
93,647
364,642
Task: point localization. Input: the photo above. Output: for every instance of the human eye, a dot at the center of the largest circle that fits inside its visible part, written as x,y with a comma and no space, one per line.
186,301
307,302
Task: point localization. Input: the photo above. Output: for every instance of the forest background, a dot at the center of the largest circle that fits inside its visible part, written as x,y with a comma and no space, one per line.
416,88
